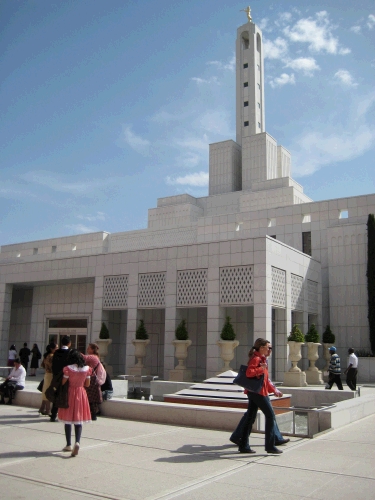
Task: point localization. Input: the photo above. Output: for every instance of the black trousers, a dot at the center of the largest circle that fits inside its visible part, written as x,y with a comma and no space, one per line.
334,379
8,389
351,378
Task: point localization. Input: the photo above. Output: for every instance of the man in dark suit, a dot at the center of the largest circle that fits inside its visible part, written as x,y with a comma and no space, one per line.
59,361
24,356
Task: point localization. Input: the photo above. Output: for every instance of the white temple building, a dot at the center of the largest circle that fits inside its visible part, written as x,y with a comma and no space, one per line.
256,248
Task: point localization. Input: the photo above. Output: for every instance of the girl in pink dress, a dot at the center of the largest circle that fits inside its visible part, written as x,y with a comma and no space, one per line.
78,412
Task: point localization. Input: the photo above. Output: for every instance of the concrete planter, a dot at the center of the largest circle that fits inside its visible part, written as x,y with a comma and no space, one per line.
140,352
103,353
295,377
227,348
313,375
181,373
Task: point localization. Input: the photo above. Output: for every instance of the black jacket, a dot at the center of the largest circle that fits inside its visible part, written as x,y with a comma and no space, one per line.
59,360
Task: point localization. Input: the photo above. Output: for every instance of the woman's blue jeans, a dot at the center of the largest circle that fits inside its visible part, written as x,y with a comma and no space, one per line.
264,404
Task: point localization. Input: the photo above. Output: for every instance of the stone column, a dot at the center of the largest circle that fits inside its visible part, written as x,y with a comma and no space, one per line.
132,320
215,322
262,291
171,318
5,308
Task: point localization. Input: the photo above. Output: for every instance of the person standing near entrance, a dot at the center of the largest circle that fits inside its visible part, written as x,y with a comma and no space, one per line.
352,370
12,355
24,356
59,361
36,356
334,370
47,365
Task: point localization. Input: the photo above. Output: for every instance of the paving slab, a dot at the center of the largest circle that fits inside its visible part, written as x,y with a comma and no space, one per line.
126,460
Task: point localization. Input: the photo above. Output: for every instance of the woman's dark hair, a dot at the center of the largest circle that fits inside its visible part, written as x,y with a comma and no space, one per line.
257,345
13,348
94,348
35,345
75,358
50,347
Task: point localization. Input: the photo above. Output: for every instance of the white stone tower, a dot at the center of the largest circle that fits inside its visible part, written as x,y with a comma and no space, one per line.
250,118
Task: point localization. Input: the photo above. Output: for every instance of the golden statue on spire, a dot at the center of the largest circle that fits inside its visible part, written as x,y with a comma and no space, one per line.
248,13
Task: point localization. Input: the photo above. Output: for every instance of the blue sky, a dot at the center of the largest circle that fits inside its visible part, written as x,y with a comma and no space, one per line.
107,106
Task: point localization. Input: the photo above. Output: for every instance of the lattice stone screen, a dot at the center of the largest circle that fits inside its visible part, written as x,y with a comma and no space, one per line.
151,290
297,302
115,293
278,287
312,293
236,285
192,288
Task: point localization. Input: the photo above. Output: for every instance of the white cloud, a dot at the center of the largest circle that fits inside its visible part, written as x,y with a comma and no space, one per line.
56,183
344,77
335,143
230,65
216,122
91,218
195,143
285,16
356,29
198,179
213,80
306,64
276,49
263,24
81,228
283,79
371,21
136,142
317,33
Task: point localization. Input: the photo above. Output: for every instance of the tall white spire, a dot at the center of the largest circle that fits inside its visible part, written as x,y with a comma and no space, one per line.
250,116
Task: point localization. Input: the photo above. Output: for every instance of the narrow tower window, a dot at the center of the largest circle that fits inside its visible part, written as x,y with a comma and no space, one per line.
246,103
246,65
246,124
246,84
258,42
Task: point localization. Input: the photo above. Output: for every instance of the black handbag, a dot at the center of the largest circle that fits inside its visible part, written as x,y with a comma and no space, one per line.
40,386
253,384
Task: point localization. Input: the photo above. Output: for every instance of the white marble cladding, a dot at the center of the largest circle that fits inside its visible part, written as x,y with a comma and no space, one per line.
115,293
140,240
173,216
236,285
224,167
278,287
297,296
192,288
284,160
312,294
151,290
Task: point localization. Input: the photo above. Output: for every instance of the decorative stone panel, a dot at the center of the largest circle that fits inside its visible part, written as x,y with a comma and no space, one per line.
236,285
115,294
312,293
278,287
151,290
192,288
297,300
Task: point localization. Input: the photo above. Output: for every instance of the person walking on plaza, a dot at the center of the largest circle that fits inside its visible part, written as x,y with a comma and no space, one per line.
59,361
36,356
47,365
257,366
352,370
334,370
249,421
13,383
98,376
12,355
78,412
24,356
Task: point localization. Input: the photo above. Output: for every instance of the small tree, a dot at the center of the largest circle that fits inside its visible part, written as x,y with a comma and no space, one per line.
227,333
104,332
312,335
141,332
371,277
181,331
328,336
296,335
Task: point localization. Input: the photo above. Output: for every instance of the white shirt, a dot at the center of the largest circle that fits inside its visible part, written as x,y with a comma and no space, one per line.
18,375
353,360
12,354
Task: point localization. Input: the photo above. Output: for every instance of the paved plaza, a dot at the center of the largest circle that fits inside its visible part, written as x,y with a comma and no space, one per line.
122,459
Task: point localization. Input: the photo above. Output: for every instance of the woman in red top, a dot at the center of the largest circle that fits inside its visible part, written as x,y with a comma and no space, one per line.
257,367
